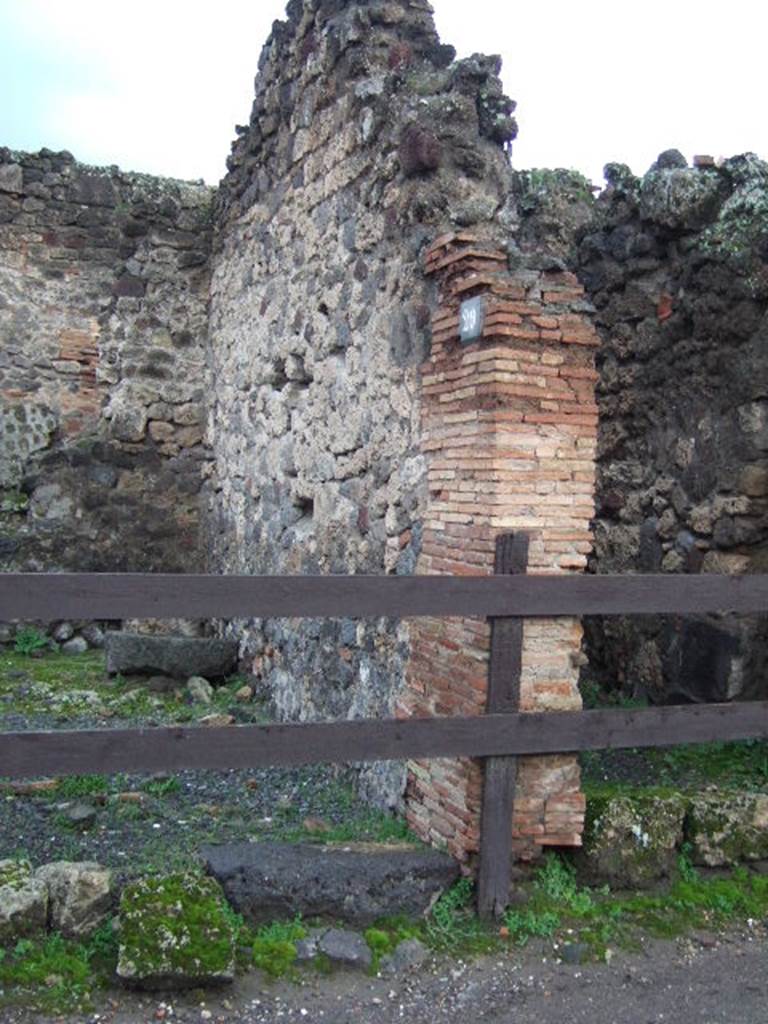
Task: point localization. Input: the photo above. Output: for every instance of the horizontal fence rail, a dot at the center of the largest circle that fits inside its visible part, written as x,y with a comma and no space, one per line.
107,751
500,735
49,596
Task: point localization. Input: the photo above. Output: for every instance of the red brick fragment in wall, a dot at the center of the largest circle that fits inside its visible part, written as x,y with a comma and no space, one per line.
509,428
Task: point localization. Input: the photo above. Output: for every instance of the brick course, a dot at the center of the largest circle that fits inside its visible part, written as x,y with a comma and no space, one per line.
509,430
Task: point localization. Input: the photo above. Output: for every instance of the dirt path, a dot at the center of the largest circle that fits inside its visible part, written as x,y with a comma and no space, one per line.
702,980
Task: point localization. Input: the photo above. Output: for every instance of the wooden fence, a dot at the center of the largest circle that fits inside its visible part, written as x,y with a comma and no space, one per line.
503,733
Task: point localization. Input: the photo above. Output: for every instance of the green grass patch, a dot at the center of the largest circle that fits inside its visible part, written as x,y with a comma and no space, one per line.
453,927
58,975
601,919
28,640
274,947
386,935
741,764
74,787
161,787
560,910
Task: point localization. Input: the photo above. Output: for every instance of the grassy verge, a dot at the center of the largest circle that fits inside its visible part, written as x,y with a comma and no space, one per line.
74,686
57,975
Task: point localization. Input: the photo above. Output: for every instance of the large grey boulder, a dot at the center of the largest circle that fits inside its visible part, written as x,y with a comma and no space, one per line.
177,656
23,902
268,881
79,896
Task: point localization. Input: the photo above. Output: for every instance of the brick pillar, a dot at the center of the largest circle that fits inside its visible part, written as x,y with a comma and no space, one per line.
509,428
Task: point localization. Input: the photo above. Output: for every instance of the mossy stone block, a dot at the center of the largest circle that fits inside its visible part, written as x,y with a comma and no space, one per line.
23,902
175,932
725,827
632,840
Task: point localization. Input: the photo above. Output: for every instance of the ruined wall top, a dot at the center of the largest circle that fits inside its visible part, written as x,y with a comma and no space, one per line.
388,58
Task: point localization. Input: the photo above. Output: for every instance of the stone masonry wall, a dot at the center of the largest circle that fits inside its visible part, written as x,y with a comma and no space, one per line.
675,263
509,431
103,293
365,142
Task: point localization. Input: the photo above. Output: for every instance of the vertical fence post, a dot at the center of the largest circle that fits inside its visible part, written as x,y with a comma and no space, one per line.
504,667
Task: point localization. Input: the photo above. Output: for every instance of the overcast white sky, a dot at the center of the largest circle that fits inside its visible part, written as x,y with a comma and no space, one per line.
158,85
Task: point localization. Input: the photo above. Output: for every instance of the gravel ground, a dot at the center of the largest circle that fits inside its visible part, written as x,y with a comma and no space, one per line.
699,980
137,823
132,830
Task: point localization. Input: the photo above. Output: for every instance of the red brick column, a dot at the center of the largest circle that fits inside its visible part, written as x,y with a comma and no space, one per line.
509,429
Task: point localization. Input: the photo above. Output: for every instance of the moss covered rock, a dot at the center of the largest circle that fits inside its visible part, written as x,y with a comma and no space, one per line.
23,902
631,839
175,932
725,827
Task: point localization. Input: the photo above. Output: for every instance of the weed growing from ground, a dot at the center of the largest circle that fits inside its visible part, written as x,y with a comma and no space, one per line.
161,787
73,787
274,947
28,640
453,926
386,934
55,974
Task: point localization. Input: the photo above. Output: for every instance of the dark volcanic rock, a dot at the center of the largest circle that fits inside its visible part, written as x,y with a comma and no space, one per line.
345,947
265,881
177,656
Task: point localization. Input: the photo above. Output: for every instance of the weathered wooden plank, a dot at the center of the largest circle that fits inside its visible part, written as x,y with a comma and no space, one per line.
499,773
30,754
118,596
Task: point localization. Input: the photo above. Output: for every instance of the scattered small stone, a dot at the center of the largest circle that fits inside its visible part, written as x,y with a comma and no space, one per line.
161,684
705,939
315,825
29,788
93,634
63,632
306,948
81,814
244,694
212,809
77,645
200,689
345,947
131,797
217,721
408,954
574,952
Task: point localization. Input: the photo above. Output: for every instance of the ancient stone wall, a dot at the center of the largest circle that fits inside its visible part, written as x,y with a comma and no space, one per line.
103,292
675,264
365,143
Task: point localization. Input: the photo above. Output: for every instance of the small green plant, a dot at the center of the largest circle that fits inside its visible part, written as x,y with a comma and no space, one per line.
243,935
75,786
527,924
386,934
380,945
274,947
28,640
161,787
53,974
555,897
453,926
